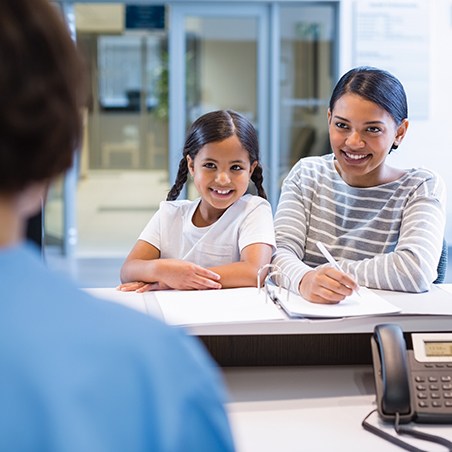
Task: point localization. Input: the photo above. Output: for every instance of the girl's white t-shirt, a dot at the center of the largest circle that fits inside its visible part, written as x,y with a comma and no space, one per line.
171,230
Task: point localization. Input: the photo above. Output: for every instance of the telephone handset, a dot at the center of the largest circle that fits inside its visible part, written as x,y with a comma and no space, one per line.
414,384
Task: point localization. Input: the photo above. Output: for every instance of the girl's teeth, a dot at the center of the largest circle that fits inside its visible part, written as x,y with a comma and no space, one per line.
222,192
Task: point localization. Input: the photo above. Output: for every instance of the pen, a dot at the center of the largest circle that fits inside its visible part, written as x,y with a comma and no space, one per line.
330,258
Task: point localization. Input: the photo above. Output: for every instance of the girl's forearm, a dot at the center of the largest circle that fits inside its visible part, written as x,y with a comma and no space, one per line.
238,274
140,270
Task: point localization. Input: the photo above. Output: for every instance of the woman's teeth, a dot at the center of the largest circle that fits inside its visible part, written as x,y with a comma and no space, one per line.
356,156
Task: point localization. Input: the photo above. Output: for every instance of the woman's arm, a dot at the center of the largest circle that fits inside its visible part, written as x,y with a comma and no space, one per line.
412,266
407,261
290,233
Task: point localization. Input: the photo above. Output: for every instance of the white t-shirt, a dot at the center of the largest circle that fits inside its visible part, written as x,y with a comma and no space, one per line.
171,230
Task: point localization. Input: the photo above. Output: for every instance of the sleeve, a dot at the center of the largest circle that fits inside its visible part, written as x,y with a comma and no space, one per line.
290,232
151,232
412,266
257,226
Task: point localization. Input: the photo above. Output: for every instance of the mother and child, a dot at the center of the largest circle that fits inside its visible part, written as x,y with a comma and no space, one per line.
384,226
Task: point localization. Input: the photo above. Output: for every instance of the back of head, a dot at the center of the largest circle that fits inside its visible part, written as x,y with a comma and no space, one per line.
375,85
41,92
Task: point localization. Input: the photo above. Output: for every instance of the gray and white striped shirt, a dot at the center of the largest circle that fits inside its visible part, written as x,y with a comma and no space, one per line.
387,237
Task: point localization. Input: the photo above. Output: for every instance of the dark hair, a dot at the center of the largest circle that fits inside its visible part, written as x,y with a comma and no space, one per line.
376,85
40,91
217,126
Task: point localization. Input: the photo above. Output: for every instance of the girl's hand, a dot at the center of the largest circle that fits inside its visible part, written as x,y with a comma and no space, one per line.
183,275
140,286
131,286
167,274
326,285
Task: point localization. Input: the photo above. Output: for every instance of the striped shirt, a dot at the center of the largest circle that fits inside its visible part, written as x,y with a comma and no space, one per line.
386,237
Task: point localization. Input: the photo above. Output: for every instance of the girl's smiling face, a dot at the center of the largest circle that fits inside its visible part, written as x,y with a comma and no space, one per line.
361,136
221,173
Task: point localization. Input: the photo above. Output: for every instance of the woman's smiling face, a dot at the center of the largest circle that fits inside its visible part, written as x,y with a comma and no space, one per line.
361,136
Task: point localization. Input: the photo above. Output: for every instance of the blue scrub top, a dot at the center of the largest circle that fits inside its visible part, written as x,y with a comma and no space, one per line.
81,374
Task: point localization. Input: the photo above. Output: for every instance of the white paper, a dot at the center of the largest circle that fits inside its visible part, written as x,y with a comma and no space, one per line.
216,306
367,303
247,305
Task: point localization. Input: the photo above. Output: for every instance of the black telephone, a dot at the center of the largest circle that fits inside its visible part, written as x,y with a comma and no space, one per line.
414,384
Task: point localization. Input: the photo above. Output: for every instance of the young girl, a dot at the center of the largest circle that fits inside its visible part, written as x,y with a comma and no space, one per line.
222,238
383,225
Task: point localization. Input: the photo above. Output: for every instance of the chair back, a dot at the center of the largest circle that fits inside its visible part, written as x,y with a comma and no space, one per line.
442,264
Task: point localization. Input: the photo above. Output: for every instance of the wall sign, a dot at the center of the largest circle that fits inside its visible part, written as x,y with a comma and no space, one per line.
394,35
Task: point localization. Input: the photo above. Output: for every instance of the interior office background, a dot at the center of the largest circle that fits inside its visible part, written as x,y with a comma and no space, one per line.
154,67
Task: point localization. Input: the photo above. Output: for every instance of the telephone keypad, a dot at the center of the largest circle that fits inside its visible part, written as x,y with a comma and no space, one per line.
433,386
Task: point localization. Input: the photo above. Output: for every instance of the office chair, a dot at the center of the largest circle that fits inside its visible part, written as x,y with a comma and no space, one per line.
442,264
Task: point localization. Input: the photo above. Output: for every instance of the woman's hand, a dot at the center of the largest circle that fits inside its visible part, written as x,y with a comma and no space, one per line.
326,285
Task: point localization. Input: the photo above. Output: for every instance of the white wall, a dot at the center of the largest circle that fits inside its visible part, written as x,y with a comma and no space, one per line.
429,141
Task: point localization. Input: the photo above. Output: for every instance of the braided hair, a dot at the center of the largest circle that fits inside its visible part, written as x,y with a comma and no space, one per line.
217,126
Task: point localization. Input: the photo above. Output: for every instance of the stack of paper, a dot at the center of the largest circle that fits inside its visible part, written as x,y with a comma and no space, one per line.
189,307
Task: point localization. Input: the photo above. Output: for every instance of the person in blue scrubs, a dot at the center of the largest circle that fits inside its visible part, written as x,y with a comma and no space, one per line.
77,373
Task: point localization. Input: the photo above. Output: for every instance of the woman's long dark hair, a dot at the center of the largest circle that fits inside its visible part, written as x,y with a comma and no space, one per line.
217,126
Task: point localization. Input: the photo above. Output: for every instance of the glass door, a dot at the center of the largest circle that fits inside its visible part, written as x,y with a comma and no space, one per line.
307,61
223,53
122,174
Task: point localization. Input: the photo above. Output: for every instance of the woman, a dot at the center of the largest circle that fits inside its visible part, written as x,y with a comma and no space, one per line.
383,225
